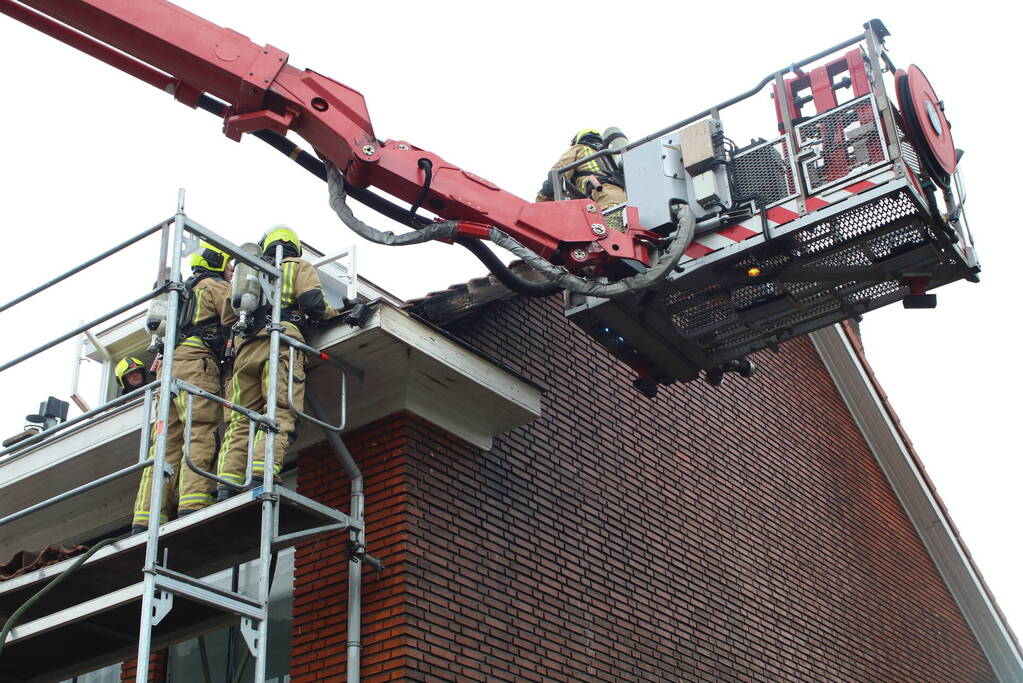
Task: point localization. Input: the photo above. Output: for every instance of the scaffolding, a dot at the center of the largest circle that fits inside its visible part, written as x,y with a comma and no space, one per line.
158,575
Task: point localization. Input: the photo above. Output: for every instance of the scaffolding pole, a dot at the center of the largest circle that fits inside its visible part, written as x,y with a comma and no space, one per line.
149,618
159,583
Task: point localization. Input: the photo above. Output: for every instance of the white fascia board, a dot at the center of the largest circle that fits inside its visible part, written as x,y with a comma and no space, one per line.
412,366
408,366
928,518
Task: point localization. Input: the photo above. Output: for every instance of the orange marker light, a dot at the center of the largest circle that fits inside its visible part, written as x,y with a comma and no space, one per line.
753,271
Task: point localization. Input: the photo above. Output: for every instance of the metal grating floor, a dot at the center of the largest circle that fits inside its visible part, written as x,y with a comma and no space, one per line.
730,320
814,273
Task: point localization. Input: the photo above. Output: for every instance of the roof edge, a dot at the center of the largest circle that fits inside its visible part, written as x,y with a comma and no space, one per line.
843,357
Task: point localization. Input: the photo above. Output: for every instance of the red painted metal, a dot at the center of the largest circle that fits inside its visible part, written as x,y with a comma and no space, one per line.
823,83
815,203
263,119
781,215
917,285
87,45
922,99
183,53
861,186
475,230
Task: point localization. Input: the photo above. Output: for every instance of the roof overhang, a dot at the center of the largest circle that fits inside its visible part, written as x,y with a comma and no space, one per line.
410,366
406,365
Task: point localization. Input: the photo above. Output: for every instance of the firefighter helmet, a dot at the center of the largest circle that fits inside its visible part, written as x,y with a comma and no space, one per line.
280,234
209,258
126,365
587,132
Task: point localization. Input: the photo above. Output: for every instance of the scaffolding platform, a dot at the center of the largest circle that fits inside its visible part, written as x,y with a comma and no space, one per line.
92,618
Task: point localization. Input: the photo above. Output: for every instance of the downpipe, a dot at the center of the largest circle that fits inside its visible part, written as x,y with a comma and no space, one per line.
356,511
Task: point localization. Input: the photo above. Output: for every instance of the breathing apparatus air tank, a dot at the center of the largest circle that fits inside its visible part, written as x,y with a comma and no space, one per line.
156,322
246,293
615,140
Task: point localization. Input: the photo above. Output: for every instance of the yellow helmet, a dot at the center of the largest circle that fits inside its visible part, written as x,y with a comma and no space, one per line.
210,258
583,133
127,365
282,234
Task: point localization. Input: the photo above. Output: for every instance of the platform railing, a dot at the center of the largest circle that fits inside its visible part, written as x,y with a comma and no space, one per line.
868,39
178,235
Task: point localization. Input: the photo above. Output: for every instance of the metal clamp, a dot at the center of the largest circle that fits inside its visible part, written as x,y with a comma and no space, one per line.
163,602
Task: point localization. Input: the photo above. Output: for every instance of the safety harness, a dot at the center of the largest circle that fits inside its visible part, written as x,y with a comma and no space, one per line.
602,170
193,330
291,312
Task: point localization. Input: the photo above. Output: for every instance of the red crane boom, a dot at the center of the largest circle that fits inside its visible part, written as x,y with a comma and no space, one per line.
184,54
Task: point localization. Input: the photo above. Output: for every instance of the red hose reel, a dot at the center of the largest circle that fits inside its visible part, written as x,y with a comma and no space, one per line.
928,129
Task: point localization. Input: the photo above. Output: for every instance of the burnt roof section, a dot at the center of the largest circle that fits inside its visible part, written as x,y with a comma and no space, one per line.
441,308
25,561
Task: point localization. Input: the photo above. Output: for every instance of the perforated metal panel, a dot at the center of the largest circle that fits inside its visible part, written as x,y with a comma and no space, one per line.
830,265
908,150
730,320
614,218
765,170
844,141
849,225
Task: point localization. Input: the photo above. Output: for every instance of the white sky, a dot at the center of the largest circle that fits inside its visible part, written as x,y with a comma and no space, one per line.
92,156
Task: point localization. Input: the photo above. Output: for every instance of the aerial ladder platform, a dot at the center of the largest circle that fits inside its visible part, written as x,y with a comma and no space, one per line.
856,204
851,202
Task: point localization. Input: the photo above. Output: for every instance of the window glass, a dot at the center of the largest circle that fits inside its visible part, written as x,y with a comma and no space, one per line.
223,653
110,674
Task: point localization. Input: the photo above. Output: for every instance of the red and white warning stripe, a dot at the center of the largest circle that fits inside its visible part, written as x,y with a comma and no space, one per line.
778,215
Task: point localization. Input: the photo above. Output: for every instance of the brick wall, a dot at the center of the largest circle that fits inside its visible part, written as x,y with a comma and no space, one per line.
319,633
738,533
157,668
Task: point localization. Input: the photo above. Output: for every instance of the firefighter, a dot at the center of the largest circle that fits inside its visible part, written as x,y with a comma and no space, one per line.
599,179
131,374
302,305
201,338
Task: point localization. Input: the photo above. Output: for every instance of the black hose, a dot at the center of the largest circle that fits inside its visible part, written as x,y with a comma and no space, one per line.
759,202
25,606
282,144
503,273
427,167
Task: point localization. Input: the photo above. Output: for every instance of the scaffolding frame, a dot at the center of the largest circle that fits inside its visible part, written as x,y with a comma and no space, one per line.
160,584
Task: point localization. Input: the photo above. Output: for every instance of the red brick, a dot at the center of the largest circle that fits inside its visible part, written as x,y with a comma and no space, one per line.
738,533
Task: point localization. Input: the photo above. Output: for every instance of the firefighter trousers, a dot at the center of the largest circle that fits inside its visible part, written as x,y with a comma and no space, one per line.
249,389
184,489
609,195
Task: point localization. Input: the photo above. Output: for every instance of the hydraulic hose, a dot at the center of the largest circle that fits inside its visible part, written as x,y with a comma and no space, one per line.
554,275
426,166
445,230
504,274
27,605
282,144
668,259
